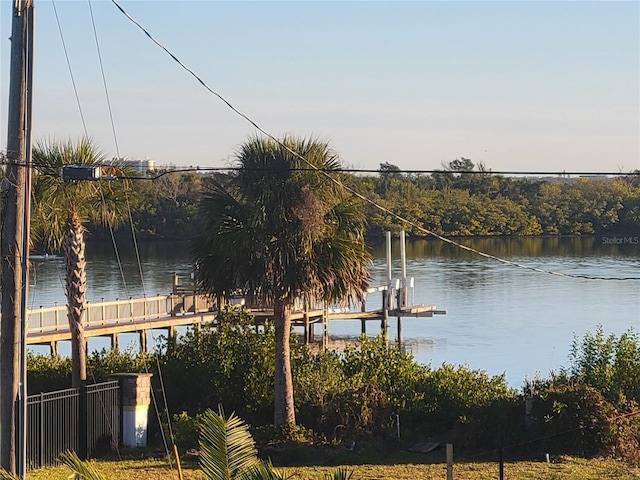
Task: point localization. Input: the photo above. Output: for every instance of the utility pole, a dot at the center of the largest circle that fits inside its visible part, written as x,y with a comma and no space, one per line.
15,241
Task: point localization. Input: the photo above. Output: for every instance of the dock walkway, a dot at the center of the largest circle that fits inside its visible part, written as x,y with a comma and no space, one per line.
49,325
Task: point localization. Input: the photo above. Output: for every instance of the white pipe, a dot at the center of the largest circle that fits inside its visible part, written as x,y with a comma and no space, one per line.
403,256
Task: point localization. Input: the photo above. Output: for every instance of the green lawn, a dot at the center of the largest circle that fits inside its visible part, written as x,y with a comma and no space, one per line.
422,468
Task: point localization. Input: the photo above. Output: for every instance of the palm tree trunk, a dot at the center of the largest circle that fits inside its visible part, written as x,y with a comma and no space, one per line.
284,412
76,286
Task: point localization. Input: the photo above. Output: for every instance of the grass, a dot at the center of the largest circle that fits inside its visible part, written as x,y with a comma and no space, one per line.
397,466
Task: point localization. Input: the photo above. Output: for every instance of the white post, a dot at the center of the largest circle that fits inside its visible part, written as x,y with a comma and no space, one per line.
136,398
388,262
403,256
387,296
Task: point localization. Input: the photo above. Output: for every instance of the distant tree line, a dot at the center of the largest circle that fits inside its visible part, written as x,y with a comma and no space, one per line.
463,199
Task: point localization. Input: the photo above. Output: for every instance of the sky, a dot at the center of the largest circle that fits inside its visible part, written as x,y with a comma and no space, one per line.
516,85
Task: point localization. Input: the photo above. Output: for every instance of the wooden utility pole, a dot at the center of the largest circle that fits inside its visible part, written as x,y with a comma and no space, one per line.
14,279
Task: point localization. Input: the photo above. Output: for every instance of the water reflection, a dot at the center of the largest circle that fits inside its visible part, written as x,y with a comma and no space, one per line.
517,247
500,318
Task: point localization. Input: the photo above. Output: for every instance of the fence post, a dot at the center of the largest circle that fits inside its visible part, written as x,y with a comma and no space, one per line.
41,431
82,422
501,459
449,461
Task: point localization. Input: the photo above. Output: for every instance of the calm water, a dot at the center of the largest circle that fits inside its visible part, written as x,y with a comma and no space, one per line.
500,318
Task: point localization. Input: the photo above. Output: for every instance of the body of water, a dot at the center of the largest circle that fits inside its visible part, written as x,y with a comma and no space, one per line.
500,318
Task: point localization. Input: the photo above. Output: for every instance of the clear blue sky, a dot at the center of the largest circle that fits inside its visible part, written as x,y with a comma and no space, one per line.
516,85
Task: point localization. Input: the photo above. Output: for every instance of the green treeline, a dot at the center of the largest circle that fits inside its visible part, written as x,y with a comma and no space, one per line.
449,203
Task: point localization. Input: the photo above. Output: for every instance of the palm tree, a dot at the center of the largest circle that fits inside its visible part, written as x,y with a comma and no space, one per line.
61,209
277,231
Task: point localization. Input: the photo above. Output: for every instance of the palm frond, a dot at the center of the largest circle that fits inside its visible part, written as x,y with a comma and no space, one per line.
227,449
340,474
264,471
103,202
81,470
4,475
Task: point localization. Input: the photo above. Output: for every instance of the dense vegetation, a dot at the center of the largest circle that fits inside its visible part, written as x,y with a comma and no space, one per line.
452,202
359,394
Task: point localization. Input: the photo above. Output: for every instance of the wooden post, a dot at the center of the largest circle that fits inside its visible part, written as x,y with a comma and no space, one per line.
363,326
15,236
449,461
306,323
54,348
501,460
143,341
114,342
386,299
325,328
385,316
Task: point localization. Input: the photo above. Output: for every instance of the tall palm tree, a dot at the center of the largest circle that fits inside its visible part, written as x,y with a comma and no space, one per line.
61,209
277,231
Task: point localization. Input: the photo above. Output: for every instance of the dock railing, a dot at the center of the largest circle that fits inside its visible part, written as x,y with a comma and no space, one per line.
117,312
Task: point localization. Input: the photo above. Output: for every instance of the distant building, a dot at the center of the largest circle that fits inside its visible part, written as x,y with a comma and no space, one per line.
141,166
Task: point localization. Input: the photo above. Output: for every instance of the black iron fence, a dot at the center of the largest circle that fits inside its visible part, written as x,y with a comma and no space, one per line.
85,420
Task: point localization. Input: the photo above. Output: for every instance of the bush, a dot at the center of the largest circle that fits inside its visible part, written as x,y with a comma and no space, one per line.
573,420
454,394
231,364
609,364
186,429
47,373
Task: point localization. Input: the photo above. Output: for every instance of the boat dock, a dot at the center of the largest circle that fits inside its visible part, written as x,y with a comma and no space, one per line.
49,325
186,306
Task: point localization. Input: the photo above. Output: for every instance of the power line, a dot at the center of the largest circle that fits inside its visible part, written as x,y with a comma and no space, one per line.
383,172
66,54
135,243
350,189
538,175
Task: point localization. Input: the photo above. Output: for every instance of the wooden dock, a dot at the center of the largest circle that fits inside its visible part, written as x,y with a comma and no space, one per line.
49,325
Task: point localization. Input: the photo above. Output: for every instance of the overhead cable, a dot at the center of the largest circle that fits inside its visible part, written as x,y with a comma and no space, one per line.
346,187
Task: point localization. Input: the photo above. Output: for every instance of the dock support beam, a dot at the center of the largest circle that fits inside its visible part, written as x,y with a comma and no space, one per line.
386,299
384,327
114,342
307,325
143,341
325,328
54,348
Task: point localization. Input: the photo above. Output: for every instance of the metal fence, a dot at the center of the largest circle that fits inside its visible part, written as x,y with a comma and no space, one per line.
85,420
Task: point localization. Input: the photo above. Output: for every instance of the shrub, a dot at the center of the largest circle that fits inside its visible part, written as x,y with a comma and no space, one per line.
452,394
231,364
609,364
573,420
47,373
